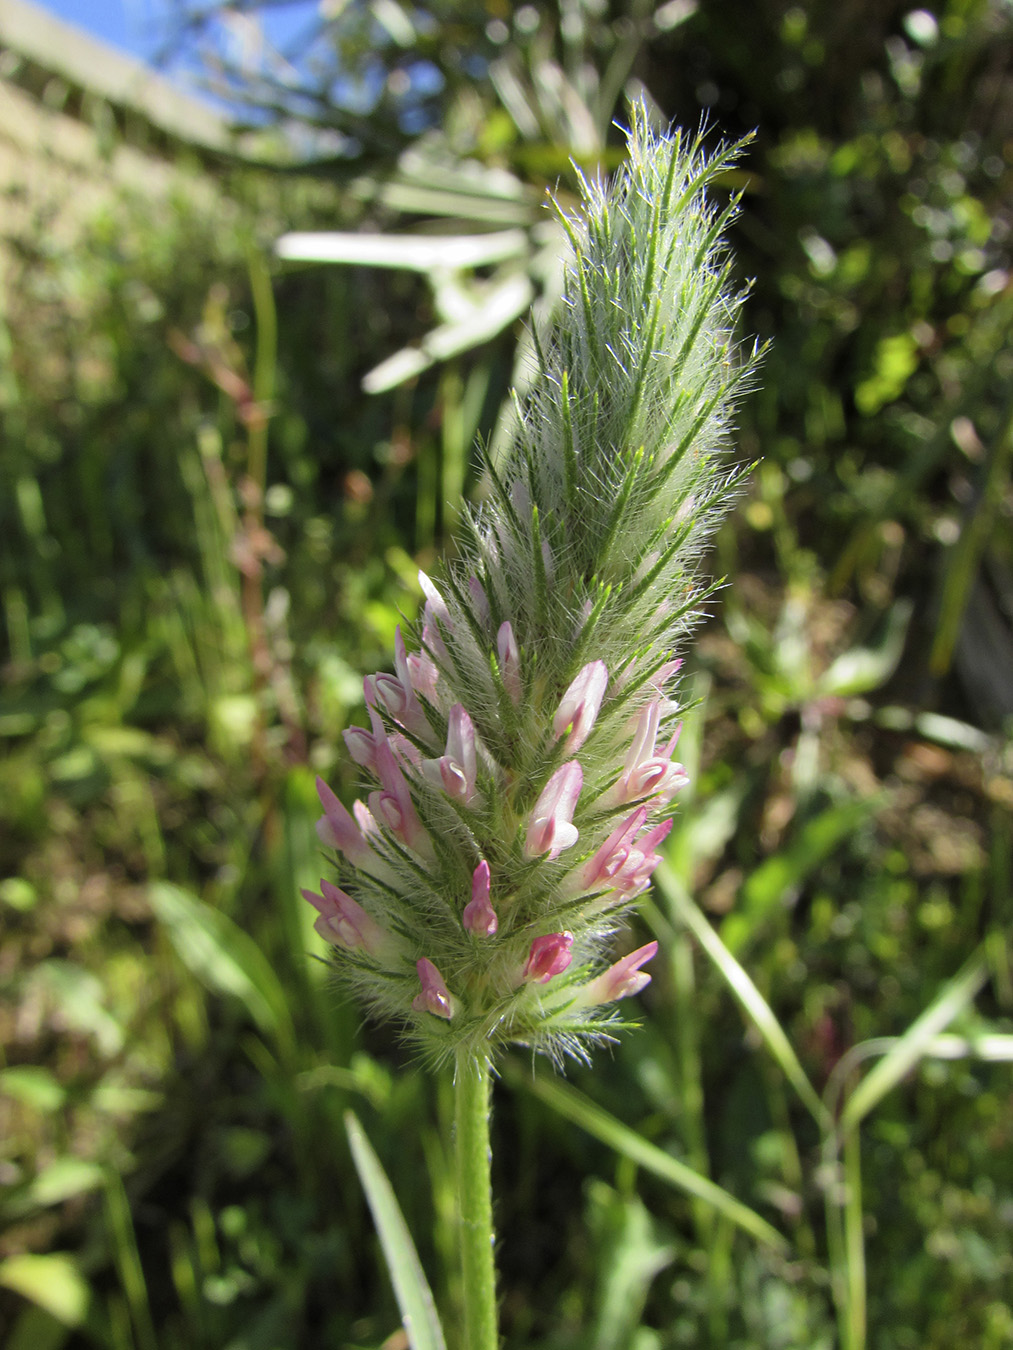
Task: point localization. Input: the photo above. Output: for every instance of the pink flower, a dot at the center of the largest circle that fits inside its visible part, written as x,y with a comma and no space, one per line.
579,706
550,827
337,829
635,874
346,924
392,804
423,670
646,773
664,673
479,916
435,997
455,771
509,662
549,955
395,694
361,745
620,980
613,853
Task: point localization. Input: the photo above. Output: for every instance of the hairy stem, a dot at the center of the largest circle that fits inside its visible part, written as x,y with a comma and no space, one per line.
474,1199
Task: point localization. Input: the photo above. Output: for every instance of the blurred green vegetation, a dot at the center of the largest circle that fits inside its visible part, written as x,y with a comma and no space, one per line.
208,532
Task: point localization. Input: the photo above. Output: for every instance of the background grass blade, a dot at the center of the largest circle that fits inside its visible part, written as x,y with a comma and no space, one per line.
953,998
414,1297
752,1001
583,1112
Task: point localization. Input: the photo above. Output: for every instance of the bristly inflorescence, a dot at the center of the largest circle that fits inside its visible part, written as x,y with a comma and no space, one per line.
521,756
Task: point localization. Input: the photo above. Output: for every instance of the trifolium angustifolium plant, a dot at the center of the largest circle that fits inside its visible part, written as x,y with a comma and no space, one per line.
521,758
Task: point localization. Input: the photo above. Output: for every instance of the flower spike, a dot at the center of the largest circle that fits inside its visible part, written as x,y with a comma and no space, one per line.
540,781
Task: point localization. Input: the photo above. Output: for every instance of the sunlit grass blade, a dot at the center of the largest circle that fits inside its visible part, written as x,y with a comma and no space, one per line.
224,958
752,1001
123,1240
414,1297
568,1102
916,1042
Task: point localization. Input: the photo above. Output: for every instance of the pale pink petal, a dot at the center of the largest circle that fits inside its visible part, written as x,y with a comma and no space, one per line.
434,600
579,706
361,745
456,770
621,979
346,924
550,827
614,852
337,829
393,806
480,600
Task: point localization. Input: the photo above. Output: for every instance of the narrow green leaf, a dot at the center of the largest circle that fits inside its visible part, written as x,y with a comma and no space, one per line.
224,958
752,1001
583,1112
915,1044
414,1297
127,1257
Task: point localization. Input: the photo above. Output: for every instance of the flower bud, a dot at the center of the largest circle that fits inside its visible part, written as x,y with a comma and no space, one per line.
549,955
435,998
509,662
479,916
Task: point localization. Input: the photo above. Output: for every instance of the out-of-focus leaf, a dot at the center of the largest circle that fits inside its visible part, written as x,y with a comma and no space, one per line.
50,1280
632,1254
62,1179
865,668
223,958
34,1086
753,1003
80,996
499,308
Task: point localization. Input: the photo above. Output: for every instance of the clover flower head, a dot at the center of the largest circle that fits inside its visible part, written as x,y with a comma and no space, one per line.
520,755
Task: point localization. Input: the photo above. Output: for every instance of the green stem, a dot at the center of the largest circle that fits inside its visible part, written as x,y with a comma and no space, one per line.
474,1199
